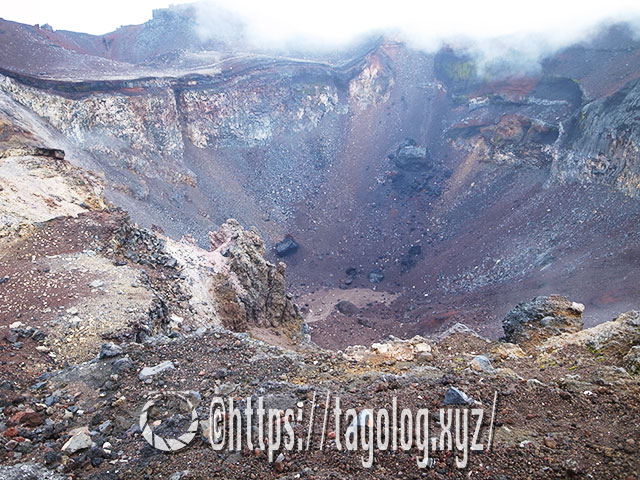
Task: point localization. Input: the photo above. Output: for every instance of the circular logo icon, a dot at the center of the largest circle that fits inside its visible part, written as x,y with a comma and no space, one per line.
168,444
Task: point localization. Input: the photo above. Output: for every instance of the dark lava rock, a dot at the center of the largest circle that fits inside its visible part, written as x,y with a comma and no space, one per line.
51,457
412,157
347,308
109,350
364,322
38,336
541,318
288,246
351,273
123,364
455,396
376,276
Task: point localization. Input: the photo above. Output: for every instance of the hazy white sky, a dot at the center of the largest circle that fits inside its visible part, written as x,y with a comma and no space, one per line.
338,20
96,17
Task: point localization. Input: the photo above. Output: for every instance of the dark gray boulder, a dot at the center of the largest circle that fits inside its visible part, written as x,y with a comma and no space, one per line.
288,246
541,318
455,396
347,308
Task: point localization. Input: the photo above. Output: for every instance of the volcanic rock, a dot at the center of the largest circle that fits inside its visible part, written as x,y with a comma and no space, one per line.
481,363
96,284
412,158
109,350
614,338
632,360
286,247
148,372
376,276
79,441
347,308
541,318
455,396
253,293
28,471
602,142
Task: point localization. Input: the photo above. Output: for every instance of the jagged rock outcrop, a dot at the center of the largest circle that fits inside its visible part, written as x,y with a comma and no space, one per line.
141,245
554,323
601,143
615,338
541,318
513,140
251,291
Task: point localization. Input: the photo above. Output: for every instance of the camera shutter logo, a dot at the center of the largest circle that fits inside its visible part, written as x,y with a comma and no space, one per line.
168,444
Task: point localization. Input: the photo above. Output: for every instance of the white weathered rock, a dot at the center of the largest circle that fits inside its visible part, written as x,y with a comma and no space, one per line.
578,307
619,334
380,347
148,372
504,351
80,440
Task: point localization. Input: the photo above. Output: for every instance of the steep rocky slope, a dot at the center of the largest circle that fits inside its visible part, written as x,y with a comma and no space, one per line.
463,188
601,142
80,271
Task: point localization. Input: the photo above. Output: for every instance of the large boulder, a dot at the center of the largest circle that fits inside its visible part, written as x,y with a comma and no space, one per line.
250,291
541,318
412,157
286,247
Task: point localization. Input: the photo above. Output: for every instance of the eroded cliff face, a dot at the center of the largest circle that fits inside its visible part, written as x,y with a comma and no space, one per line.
457,187
242,116
139,133
602,143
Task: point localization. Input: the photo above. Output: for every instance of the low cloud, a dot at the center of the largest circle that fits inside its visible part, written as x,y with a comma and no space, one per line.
493,31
